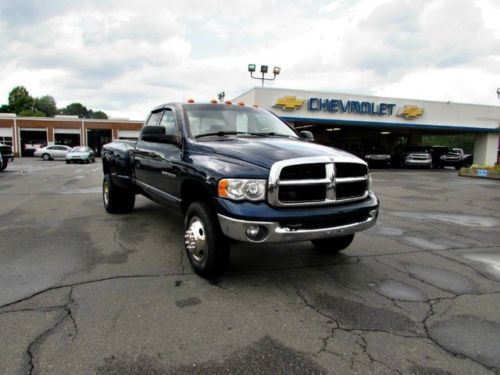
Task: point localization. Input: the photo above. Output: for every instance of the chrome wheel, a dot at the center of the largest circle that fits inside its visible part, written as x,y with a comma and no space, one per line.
105,192
196,240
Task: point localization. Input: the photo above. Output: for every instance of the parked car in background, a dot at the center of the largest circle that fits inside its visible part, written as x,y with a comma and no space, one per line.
52,152
412,156
6,155
455,158
377,156
80,154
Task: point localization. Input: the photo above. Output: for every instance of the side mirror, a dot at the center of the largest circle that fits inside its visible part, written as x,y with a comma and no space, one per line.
157,134
307,135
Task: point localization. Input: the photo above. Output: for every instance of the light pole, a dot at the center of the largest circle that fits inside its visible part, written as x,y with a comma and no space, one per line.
263,70
498,93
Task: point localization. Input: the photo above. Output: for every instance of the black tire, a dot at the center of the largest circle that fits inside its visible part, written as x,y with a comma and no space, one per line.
333,245
210,256
46,157
116,200
67,161
3,164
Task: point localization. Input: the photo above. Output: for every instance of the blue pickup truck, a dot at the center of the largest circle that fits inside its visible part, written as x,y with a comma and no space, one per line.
239,173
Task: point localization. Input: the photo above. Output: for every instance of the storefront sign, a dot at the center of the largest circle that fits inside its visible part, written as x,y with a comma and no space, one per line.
350,106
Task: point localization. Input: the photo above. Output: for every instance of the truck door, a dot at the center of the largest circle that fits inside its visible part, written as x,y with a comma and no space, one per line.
157,163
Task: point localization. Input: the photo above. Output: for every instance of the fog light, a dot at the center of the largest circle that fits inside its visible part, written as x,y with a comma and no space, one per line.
373,213
257,233
253,231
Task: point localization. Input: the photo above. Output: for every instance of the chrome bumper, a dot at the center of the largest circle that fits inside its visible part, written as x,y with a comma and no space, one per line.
418,162
237,229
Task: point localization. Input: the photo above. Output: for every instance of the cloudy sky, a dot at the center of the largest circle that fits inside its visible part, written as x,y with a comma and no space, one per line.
126,56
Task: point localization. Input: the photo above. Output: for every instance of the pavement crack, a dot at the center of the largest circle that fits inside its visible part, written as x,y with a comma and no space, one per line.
30,351
119,277
70,313
425,325
364,347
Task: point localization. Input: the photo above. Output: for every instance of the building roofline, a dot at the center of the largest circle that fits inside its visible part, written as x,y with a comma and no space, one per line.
367,95
62,119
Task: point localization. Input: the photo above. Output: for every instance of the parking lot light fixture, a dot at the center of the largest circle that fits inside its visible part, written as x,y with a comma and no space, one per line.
264,69
498,92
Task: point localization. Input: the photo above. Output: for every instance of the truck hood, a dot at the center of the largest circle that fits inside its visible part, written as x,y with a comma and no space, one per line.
264,152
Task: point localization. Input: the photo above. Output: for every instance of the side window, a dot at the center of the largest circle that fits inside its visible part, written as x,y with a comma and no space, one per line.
168,121
153,119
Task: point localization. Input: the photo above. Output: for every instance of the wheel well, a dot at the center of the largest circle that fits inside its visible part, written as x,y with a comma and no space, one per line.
193,191
105,167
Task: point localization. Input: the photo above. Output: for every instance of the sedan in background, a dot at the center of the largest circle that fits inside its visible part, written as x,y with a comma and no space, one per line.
52,152
80,154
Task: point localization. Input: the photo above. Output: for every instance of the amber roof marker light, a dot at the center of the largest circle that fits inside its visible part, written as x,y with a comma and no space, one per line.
263,70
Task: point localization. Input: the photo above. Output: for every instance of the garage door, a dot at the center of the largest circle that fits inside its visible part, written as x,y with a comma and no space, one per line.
67,137
128,134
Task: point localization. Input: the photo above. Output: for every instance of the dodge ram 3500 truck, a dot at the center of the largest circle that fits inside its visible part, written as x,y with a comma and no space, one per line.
238,172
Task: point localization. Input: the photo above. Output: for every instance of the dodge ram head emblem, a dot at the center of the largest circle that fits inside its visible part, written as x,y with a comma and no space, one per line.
289,103
410,112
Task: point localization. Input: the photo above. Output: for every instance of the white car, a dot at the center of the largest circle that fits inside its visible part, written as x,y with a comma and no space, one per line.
52,152
80,154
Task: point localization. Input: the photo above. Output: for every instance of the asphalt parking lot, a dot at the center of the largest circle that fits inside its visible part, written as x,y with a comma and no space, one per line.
85,292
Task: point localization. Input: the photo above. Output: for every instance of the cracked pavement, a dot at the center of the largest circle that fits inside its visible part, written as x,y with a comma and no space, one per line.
84,292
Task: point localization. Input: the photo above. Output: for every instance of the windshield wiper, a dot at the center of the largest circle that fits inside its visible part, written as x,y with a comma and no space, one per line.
271,134
219,134
224,133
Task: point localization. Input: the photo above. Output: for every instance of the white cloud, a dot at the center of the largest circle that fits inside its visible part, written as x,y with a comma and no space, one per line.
126,56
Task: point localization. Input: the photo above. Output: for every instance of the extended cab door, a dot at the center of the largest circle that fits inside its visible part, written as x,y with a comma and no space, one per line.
157,162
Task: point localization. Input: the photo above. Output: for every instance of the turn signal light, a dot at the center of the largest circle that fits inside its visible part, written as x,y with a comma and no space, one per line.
222,189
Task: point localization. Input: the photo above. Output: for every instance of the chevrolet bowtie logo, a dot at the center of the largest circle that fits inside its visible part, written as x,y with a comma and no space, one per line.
410,112
289,103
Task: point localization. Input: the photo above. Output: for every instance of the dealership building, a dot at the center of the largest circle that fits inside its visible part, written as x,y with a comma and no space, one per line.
342,120
349,121
25,134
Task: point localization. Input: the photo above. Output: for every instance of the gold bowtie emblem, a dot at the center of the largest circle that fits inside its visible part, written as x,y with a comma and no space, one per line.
410,112
289,103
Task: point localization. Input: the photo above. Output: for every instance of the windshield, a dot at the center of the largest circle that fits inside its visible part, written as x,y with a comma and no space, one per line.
221,120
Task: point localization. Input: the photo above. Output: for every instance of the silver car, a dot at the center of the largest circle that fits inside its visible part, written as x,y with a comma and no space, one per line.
80,154
52,152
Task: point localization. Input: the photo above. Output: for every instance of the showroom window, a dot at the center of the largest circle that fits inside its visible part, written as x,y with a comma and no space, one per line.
6,140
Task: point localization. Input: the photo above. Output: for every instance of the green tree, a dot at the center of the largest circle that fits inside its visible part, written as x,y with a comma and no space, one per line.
31,113
47,105
4,108
20,99
99,115
76,109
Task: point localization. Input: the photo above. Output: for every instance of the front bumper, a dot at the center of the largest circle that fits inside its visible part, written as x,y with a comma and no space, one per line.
274,231
411,162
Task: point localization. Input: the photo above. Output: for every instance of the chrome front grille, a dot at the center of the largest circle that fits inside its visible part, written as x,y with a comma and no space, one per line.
316,181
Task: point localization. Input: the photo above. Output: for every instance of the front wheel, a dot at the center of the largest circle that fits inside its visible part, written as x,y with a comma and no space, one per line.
3,164
333,245
206,246
116,200
46,157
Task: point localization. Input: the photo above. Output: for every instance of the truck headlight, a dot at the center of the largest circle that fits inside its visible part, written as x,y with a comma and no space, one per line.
240,189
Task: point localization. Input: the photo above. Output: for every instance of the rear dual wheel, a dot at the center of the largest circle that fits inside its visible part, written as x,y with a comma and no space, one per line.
116,199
